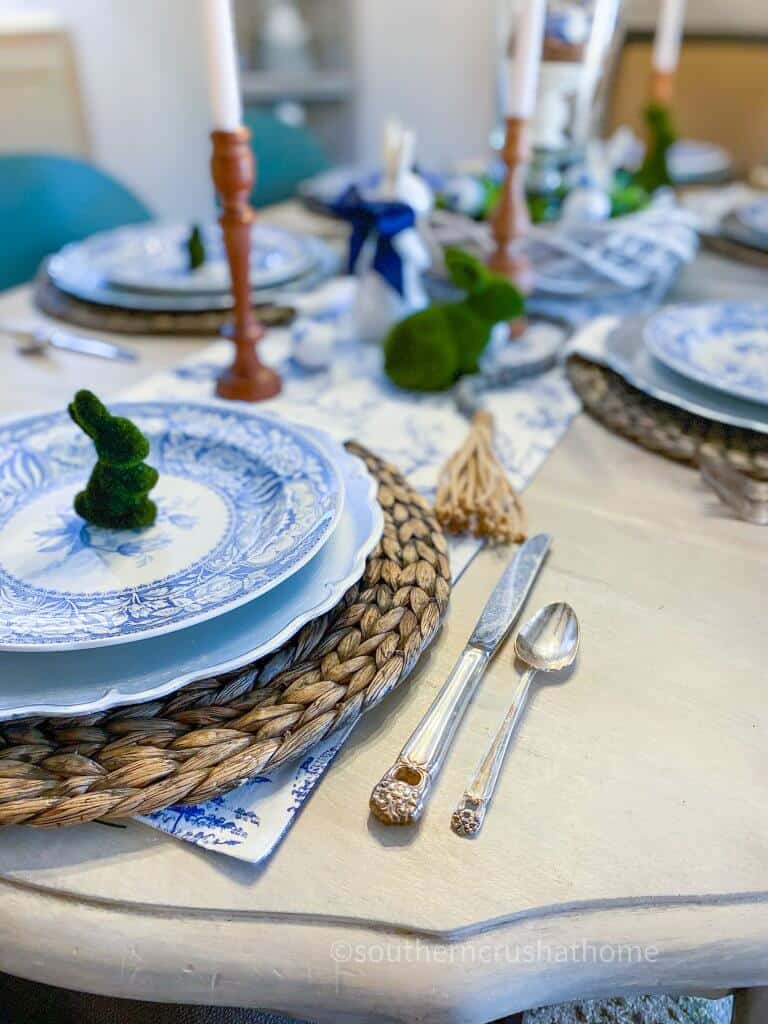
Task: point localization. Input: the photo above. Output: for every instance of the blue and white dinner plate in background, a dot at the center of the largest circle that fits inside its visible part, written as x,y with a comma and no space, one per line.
153,258
733,229
692,160
244,501
326,188
83,270
754,217
624,351
723,345
81,682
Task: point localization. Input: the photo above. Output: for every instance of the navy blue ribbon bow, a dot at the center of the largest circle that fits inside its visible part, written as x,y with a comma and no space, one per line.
384,218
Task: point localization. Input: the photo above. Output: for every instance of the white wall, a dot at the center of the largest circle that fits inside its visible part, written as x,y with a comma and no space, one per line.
143,73
143,76
739,16
429,62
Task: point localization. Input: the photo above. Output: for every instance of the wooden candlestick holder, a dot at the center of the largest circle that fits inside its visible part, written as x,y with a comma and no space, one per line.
511,220
234,173
662,87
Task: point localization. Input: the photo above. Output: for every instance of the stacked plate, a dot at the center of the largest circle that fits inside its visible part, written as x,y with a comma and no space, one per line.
262,526
145,267
748,226
710,360
692,162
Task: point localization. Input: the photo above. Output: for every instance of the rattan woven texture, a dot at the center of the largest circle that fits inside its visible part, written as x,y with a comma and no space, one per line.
212,735
734,250
56,303
661,427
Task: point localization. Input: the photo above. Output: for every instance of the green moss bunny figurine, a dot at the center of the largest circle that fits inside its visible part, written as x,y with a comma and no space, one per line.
195,248
116,494
429,350
661,134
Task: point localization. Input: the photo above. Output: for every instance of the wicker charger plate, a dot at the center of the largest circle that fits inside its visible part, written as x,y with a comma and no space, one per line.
215,734
660,427
736,251
56,303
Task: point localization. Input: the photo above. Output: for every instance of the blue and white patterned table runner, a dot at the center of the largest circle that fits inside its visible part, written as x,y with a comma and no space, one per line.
417,433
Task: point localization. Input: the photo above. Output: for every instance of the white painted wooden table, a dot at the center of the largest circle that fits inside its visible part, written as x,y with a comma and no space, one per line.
627,849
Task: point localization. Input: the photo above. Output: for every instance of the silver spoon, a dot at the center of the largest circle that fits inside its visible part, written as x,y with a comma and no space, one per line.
546,643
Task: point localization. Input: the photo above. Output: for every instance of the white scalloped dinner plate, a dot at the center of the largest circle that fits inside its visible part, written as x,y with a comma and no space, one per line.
80,682
626,354
153,258
86,280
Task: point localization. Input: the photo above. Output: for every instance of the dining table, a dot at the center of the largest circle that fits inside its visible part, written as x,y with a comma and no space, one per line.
626,850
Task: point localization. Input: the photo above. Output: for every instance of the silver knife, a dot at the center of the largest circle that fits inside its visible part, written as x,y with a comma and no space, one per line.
401,795
34,341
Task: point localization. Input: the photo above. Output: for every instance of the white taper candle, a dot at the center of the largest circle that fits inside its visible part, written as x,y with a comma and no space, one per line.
223,80
669,32
524,66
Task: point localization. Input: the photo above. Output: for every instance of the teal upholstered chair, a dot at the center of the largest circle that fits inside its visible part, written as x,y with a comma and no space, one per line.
47,201
286,154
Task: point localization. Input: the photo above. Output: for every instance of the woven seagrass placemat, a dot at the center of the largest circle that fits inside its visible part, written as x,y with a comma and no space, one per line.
660,427
736,250
56,303
215,734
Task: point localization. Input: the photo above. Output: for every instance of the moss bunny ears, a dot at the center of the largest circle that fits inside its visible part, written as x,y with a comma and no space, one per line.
116,494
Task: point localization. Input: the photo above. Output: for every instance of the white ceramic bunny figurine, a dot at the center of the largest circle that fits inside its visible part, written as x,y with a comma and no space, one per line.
400,180
379,306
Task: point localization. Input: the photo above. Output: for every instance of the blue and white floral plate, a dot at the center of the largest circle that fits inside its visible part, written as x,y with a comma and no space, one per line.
325,189
244,501
722,345
83,270
624,351
733,229
694,160
754,217
153,258
80,682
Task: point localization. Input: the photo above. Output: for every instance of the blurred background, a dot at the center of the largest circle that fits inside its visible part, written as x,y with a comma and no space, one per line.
122,83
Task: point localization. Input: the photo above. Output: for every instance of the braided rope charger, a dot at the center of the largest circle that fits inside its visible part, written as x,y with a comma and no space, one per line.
660,427
215,734
58,304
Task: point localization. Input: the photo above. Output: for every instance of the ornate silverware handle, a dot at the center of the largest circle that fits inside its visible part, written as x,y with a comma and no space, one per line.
89,346
468,818
399,798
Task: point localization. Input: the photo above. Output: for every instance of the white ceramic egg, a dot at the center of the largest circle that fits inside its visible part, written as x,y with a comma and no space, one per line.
586,204
465,194
313,343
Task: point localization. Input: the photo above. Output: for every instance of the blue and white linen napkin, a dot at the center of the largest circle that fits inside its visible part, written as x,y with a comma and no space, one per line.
249,822
417,433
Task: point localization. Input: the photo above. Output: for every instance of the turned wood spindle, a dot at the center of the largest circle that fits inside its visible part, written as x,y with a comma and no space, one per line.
234,173
511,220
662,87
